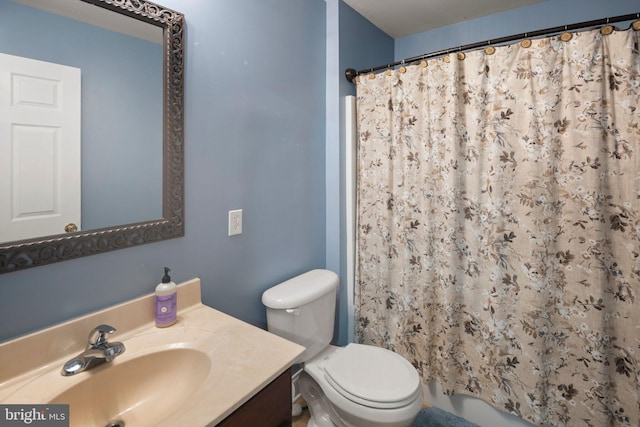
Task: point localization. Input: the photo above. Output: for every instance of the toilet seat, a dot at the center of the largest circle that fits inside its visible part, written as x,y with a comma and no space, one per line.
372,376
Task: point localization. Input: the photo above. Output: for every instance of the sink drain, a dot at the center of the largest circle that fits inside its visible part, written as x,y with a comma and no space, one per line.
116,423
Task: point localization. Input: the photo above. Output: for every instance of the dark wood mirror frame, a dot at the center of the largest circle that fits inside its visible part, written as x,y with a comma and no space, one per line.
24,254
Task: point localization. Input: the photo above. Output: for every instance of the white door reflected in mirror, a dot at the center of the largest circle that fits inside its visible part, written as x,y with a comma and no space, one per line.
40,164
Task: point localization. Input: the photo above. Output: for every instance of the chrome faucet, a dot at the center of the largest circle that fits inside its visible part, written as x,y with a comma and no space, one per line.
97,352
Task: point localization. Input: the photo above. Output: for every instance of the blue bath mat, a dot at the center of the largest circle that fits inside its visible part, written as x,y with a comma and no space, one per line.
436,417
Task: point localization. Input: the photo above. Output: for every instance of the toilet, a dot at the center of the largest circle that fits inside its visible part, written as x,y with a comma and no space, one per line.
352,386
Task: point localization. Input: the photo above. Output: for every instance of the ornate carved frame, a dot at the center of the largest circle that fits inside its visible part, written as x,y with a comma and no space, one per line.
24,254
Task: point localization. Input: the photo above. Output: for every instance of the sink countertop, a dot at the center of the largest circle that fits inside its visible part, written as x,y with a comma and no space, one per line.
247,358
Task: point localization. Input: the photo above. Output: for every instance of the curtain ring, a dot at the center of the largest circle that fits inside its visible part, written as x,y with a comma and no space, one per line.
525,43
566,36
489,50
606,30
388,72
372,75
402,68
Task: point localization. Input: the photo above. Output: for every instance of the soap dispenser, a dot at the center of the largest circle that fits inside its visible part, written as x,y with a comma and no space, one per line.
166,301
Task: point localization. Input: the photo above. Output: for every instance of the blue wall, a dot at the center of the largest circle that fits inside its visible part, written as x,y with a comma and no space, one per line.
116,126
254,140
547,14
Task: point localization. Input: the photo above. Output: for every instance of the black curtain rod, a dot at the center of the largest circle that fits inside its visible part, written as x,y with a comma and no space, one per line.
351,74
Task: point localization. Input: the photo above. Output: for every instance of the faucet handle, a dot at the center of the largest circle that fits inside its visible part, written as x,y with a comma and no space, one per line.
100,333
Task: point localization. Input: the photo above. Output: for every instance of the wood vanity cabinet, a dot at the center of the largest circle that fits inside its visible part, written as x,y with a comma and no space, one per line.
271,407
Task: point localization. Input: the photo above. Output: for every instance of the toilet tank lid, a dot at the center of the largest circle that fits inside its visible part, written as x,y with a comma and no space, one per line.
301,289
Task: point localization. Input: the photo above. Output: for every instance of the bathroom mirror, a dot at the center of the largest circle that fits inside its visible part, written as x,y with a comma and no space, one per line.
155,154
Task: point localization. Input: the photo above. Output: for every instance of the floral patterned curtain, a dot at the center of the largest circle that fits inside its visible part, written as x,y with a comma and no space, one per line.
498,243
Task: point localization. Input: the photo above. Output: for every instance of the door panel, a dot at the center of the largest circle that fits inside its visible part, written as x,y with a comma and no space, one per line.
40,169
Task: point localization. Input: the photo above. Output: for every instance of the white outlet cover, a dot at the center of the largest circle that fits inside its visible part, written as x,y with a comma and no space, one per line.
235,222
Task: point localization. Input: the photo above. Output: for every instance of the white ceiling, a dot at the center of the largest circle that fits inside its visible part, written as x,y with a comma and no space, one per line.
399,18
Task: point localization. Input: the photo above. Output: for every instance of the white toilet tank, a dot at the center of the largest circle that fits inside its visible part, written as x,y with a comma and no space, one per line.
302,310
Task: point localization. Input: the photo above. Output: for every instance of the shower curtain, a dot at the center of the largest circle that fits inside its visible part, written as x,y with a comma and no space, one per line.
498,217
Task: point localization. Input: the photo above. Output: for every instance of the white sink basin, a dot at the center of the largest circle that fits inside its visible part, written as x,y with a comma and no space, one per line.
139,391
155,378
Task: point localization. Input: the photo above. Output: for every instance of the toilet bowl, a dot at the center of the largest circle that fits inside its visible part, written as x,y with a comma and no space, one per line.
361,385
352,386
